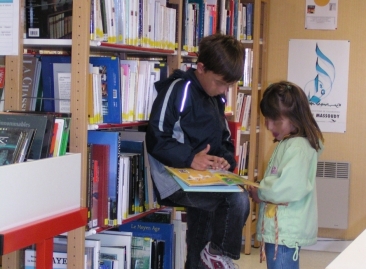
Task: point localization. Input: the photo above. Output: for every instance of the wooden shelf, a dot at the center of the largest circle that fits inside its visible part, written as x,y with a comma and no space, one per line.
259,47
65,44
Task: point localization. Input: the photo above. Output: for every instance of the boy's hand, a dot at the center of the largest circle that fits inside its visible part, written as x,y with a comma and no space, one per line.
203,161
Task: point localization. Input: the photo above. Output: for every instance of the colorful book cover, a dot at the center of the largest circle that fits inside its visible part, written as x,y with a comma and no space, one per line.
29,79
141,252
157,231
129,146
114,253
47,77
150,198
100,163
210,188
48,20
59,259
12,142
116,239
111,88
112,139
209,177
43,123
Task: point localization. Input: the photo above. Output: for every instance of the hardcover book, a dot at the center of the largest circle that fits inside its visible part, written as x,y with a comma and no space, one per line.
48,19
112,139
111,88
43,123
157,231
59,259
114,253
92,250
141,252
129,146
100,163
66,117
14,144
30,81
210,177
150,199
116,239
62,86
48,82
2,83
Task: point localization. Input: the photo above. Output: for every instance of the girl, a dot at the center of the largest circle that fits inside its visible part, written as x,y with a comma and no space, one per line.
287,193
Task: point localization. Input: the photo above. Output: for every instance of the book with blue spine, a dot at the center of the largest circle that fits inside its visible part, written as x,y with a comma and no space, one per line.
156,231
47,77
111,88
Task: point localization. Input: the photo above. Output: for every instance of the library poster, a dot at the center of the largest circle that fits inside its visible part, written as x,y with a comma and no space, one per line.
320,68
9,27
321,14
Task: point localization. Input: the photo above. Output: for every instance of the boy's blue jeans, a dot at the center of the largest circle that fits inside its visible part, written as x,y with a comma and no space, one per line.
284,258
215,217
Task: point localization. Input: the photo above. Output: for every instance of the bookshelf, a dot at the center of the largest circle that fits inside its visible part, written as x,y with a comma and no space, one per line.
81,47
258,83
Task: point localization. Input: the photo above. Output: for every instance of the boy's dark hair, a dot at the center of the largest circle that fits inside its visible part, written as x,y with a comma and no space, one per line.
286,99
223,55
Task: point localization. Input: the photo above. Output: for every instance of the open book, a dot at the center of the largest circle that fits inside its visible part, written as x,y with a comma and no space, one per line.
209,180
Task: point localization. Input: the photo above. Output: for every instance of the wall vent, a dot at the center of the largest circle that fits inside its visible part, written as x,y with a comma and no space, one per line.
333,194
332,170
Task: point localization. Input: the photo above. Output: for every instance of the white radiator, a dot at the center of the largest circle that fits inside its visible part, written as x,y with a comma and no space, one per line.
332,180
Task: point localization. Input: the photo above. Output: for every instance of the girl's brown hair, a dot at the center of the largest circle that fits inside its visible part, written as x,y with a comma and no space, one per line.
286,99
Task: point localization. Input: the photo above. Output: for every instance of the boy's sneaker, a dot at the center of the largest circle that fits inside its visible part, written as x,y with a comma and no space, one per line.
212,261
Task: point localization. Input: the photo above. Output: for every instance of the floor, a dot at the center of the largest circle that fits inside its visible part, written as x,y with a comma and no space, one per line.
318,256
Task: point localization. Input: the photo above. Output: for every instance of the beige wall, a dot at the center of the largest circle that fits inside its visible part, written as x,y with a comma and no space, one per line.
287,22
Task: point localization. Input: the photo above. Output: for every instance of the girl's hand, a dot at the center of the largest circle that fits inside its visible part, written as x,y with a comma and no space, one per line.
253,193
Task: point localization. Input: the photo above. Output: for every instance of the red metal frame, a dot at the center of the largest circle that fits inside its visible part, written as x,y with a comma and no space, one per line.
41,233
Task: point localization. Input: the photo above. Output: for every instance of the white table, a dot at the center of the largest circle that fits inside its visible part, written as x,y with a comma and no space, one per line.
353,257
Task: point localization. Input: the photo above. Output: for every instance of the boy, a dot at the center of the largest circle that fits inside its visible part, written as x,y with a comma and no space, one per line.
188,128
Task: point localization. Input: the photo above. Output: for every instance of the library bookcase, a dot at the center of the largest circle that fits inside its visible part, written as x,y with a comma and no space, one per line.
258,84
81,46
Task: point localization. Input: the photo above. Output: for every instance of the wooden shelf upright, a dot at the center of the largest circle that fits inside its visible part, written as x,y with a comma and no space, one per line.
258,83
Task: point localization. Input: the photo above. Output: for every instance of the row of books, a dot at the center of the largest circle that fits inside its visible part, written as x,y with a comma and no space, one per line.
243,106
144,23
119,179
120,90
202,18
32,135
154,242
137,23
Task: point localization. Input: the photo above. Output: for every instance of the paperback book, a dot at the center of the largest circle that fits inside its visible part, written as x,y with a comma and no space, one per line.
209,178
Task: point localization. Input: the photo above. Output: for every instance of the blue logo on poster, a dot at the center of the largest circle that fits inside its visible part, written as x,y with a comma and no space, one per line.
321,86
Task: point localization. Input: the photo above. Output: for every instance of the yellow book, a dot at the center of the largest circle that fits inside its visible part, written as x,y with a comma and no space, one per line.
192,177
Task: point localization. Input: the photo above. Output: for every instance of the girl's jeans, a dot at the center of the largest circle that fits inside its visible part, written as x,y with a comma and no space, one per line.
284,258
218,218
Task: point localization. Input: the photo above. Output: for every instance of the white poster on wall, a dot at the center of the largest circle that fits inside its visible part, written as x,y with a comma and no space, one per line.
320,68
321,14
9,27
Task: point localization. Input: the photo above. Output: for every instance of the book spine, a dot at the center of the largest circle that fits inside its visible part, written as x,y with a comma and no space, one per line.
249,24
